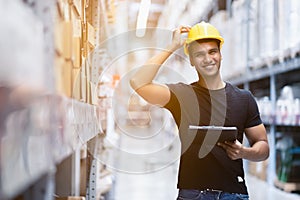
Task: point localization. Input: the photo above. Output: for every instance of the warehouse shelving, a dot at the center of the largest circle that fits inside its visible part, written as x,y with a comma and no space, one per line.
277,68
40,136
51,133
265,78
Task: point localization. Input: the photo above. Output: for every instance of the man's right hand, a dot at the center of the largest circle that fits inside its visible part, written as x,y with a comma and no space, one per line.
177,40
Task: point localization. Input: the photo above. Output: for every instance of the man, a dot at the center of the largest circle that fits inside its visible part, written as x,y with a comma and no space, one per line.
208,169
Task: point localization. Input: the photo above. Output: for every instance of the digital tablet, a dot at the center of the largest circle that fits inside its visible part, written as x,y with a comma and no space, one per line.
224,133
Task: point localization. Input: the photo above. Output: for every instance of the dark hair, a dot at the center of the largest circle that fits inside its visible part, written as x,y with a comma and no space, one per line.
208,40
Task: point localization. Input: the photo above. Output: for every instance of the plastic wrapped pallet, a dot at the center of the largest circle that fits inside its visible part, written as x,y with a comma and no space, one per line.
239,16
221,21
253,50
227,51
288,27
283,27
21,46
266,29
294,21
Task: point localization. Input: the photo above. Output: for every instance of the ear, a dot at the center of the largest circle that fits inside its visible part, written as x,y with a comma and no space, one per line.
191,61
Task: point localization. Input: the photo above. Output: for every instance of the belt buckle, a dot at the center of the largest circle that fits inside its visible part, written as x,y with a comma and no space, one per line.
212,190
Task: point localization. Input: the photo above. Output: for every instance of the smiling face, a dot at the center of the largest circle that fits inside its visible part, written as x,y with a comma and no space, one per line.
206,57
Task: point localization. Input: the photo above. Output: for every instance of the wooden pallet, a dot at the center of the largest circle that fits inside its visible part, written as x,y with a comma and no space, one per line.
287,186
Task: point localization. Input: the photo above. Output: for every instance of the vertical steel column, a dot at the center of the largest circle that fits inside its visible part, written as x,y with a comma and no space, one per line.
92,169
272,135
92,186
248,7
75,184
272,143
228,7
246,84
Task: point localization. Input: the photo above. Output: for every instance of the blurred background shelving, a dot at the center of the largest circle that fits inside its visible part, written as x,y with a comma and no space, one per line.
66,104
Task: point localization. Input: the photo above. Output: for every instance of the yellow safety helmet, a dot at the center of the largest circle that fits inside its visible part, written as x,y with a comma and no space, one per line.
200,31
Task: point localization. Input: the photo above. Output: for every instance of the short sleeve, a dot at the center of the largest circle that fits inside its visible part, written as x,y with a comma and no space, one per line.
253,118
173,105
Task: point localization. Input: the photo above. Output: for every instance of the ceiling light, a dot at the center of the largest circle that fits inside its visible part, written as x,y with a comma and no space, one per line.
143,14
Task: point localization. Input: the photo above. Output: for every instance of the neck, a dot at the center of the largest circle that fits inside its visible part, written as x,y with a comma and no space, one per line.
211,83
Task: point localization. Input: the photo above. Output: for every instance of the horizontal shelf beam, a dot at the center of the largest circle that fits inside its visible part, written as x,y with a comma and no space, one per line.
265,72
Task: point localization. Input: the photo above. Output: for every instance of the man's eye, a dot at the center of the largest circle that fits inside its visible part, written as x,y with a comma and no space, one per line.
199,55
213,52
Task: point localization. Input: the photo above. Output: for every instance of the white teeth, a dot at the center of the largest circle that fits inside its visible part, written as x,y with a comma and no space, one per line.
209,66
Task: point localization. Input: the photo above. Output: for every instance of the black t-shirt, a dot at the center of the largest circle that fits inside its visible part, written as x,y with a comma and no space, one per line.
203,166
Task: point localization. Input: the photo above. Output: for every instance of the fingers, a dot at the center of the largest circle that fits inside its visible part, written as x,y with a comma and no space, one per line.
185,29
182,29
233,149
226,144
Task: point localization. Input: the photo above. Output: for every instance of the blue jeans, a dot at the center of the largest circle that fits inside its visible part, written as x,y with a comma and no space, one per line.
209,195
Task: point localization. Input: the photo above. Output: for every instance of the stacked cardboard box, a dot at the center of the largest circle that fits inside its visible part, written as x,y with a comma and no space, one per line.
75,40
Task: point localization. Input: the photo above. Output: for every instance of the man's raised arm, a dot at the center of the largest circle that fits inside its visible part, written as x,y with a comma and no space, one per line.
142,80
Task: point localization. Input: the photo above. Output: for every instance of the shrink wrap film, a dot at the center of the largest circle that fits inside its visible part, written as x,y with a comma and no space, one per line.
77,7
22,59
240,38
266,29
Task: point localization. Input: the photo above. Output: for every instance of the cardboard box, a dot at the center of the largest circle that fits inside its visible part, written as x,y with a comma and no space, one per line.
60,8
63,38
77,7
76,25
76,52
83,176
63,76
58,37
58,63
83,80
91,35
67,78
88,79
67,33
76,84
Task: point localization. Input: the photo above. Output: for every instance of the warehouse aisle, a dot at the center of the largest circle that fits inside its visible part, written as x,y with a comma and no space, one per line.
161,184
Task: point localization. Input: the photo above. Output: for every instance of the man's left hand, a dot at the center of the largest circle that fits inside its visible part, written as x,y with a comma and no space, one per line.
234,149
